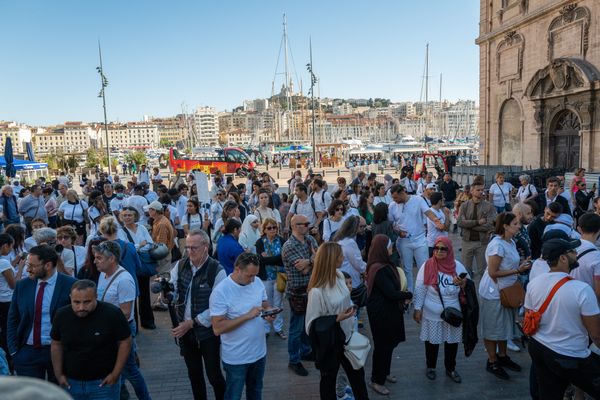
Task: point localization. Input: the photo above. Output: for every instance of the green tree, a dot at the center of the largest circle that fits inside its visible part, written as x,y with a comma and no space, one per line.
94,157
165,143
138,157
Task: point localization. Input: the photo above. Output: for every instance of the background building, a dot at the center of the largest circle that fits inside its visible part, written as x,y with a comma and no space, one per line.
539,83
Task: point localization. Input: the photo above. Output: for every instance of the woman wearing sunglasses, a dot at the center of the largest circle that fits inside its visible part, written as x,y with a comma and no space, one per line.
268,248
337,214
439,279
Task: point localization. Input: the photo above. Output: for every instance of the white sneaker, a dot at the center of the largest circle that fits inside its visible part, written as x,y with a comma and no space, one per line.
512,346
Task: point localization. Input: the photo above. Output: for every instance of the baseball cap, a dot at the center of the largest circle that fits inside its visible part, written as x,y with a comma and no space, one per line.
555,234
431,186
554,248
155,205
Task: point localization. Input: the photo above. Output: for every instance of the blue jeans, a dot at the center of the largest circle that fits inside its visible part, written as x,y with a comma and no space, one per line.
131,371
412,248
298,343
91,390
249,374
500,209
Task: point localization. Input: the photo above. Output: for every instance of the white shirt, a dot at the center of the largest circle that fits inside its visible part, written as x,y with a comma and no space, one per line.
488,289
381,199
432,306
192,221
5,290
140,234
73,212
539,267
589,264
144,176
122,290
409,184
93,213
247,343
29,243
116,204
526,191
304,208
354,198
409,216
353,263
322,200
500,194
204,317
561,328
181,205
432,231
138,202
330,226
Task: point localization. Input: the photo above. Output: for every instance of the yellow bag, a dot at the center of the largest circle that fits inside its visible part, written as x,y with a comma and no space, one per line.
403,280
281,281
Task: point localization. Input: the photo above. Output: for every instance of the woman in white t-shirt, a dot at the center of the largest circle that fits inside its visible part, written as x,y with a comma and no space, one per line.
526,191
381,195
8,281
440,276
72,212
193,219
443,214
503,268
265,209
500,193
337,215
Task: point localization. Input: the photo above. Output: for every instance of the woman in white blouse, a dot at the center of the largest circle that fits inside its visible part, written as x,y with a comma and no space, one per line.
66,236
193,219
337,214
526,191
353,263
72,212
500,193
265,209
381,195
132,231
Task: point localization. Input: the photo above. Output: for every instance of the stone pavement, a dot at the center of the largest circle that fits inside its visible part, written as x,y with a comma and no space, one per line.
166,373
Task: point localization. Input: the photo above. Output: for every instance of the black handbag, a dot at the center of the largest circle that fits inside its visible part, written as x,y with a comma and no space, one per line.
452,316
359,295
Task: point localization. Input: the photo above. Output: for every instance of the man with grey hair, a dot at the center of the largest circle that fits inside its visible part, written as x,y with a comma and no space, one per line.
117,287
33,206
194,278
9,213
62,194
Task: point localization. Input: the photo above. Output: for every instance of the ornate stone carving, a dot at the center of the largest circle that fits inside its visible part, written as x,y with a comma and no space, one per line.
524,6
571,26
509,57
562,76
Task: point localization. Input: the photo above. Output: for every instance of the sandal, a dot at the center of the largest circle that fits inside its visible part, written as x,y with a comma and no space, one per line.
391,379
380,389
281,334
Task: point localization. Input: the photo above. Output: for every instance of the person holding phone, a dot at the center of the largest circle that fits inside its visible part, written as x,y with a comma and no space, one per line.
438,285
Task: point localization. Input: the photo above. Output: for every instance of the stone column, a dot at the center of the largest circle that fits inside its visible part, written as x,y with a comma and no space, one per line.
585,151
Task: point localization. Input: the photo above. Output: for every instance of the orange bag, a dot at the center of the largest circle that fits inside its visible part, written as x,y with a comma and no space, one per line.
531,321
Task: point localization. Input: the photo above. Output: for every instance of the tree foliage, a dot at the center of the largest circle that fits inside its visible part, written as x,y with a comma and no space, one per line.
137,157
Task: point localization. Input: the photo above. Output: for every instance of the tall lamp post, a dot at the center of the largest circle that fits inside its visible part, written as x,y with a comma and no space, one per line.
313,81
104,84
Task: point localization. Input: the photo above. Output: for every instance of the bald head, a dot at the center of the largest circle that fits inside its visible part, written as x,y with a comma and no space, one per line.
523,213
299,225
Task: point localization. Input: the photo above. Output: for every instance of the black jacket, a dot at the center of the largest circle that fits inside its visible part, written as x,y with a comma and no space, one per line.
264,261
536,231
327,340
582,200
559,199
470,311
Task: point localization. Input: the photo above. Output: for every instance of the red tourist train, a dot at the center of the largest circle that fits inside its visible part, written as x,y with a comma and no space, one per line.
228,160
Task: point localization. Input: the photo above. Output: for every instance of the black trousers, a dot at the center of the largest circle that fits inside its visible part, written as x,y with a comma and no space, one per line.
146,316
3,323
356,378
450,351
555,372
193,353
382,359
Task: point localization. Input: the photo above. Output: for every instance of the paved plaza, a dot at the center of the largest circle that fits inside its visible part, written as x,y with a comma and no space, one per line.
166,374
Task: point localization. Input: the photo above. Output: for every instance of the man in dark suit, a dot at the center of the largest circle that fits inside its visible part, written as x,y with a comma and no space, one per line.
552,194
34,303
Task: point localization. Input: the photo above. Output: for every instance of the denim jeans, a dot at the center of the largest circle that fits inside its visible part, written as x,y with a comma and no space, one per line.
275,298
131,371
249,374
91,390
412,249
298,343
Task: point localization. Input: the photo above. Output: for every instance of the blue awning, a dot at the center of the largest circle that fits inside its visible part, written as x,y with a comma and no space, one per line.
24,164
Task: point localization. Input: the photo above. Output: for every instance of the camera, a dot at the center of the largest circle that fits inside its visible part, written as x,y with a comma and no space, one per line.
163,286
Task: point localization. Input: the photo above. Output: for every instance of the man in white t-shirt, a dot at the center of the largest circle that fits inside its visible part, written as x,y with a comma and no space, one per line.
144,175
236,305
117,287
138,201
408,214
321,199
588,254
559,348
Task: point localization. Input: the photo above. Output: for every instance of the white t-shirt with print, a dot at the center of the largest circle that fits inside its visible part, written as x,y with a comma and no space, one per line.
561,328
5,290
488,289
122,290
246,343
432,306
500,194
432,231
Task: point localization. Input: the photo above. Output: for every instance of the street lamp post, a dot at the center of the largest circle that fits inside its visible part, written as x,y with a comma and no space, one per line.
104,84
313,81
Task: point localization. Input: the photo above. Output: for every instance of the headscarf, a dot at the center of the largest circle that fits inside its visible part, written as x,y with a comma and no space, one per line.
445,266
378,258
249,235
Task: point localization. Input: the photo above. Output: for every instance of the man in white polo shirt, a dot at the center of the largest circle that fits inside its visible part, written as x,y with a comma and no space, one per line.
235,308
588,254
559,348
408,214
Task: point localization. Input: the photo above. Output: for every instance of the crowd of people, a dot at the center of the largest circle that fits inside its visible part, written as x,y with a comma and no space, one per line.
76,272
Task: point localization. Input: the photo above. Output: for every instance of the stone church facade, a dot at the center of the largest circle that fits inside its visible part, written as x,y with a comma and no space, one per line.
540,83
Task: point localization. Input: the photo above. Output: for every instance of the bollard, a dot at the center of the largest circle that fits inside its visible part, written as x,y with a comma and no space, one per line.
338,172
277,174
324,173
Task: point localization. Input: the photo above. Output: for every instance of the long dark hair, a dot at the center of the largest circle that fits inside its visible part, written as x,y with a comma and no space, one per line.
348,229
89,270
18,234
380,213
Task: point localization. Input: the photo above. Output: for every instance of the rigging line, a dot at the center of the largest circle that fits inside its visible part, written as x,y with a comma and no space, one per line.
278,57
294,63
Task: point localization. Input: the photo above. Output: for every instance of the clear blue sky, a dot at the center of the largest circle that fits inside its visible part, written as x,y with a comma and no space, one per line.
158,54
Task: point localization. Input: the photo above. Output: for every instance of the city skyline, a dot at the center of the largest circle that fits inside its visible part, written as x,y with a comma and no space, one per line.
360,51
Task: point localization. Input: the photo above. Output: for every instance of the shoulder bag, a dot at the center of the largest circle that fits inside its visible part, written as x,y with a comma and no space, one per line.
110,283
507,205
450,315
512,296
531,321
357,350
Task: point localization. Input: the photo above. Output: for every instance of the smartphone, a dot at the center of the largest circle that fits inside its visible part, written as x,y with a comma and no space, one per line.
24,255
272,311
463,275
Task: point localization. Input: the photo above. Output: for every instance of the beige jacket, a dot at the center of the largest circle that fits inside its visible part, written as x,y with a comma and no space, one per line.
486,210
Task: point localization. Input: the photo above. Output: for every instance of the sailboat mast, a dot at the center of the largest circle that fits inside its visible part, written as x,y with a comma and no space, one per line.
288,95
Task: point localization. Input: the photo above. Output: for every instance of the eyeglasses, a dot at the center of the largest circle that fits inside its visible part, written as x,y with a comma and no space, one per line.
270,228
303,224
440,248
192,248
63,237
339,209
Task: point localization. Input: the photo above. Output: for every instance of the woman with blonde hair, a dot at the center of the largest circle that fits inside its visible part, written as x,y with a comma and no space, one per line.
329,322
73,212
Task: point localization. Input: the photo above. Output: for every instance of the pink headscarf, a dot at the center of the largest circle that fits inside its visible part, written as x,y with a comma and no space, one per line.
445,266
